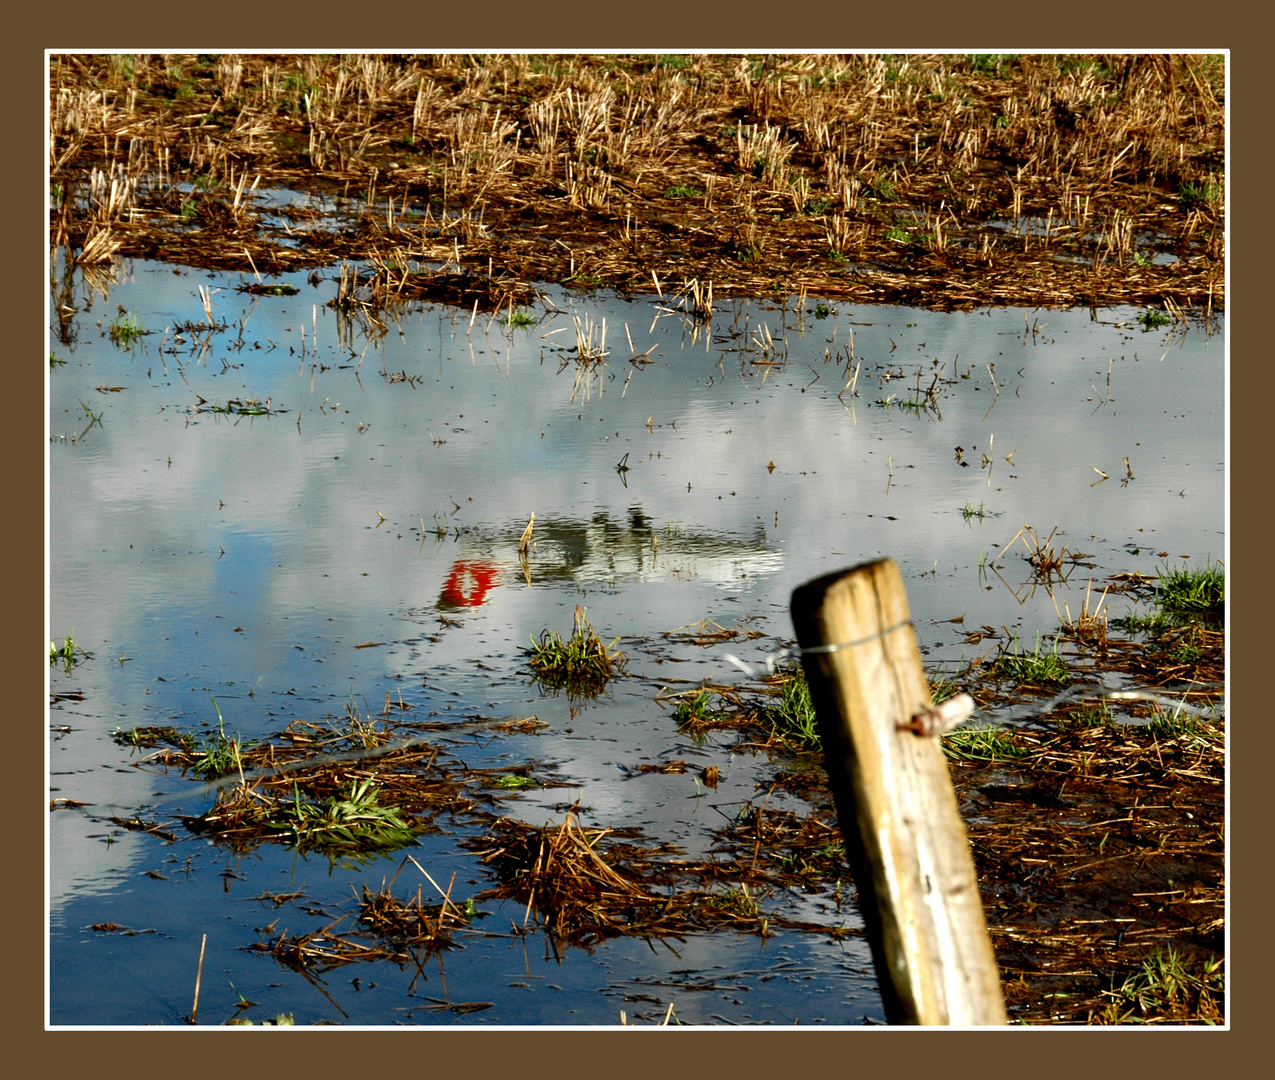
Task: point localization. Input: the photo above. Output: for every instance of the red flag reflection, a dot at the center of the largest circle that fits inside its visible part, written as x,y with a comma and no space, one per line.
469,583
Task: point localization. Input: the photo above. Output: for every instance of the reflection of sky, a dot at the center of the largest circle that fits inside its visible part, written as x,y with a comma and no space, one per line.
225,556
170,529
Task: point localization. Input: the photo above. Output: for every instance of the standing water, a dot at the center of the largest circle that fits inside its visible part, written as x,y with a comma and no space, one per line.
268,512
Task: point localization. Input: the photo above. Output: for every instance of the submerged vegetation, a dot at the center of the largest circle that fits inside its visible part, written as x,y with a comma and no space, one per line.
521,318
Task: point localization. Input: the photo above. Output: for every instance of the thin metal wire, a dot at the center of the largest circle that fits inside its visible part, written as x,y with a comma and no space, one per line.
1083,690
796,651
771,660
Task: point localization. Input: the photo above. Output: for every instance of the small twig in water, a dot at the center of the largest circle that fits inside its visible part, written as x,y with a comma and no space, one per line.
199,973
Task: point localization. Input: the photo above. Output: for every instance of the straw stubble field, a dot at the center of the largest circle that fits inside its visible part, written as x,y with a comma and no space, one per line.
944,181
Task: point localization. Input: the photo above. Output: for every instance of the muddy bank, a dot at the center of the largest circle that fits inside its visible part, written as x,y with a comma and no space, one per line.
941,181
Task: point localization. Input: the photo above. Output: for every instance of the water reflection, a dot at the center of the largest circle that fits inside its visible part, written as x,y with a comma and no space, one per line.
469,582
249,560
603,549
572,551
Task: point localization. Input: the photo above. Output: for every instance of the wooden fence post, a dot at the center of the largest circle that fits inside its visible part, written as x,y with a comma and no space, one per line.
906,844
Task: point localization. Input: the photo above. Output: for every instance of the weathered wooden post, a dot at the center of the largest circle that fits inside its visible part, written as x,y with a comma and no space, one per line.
904,838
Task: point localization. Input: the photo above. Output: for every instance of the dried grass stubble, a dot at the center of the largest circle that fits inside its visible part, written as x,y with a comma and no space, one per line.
583,891
779,847
1093,847
568,176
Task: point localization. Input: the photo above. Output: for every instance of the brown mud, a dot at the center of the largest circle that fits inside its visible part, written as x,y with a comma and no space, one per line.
940,181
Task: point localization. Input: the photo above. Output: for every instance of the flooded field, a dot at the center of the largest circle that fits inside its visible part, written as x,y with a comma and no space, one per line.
266,513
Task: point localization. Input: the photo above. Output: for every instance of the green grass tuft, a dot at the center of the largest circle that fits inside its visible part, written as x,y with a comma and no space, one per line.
942,688
64,654
1154,623
696,712
581,665
986,743
1201,196
1192,588
991,63
882,188
1080,719
221,755
794,721
1179,725
352,821
1036,668
1183,653
1164,986
126,329
1182,593
734,903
